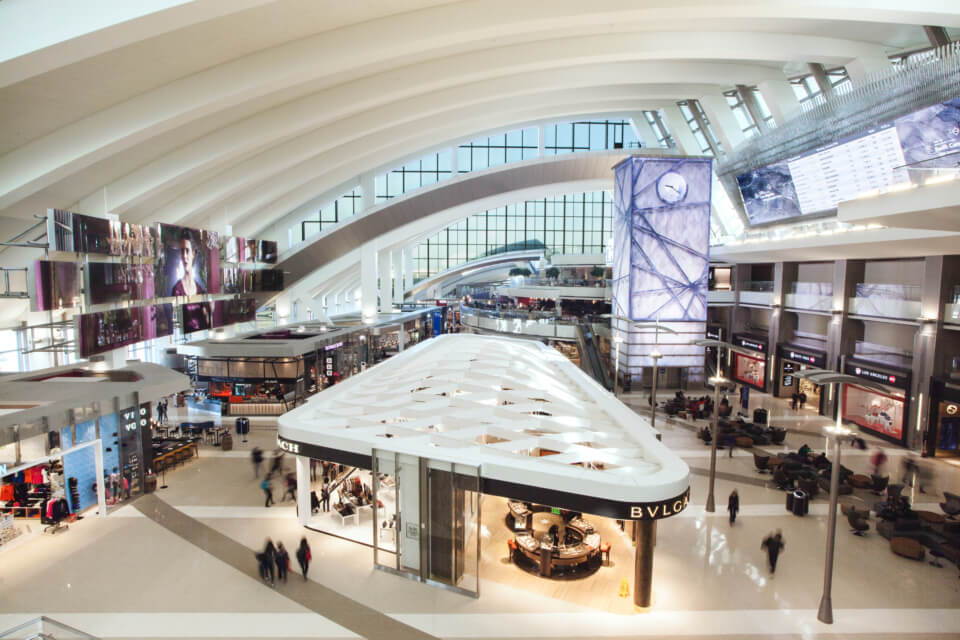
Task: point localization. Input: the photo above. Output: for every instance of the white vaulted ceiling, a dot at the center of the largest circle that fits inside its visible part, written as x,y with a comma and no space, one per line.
241,111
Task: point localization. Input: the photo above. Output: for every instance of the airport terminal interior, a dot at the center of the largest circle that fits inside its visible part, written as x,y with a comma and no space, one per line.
479,319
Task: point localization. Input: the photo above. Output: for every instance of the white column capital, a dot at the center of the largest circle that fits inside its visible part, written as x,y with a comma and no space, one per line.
722,121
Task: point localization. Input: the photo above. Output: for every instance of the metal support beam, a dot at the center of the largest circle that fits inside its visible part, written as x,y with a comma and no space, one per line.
937,36
643,563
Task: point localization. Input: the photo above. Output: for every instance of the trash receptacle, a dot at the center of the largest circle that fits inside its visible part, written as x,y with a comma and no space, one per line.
227,442
238,426
790,501
801,503
760,416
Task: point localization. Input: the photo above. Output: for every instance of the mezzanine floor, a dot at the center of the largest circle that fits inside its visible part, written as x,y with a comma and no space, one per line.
179,564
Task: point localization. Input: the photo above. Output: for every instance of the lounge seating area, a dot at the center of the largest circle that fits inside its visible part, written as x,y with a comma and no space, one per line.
913,533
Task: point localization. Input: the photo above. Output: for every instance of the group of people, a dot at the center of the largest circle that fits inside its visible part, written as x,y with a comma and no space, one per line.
276,468
274,561
773,543
162,410
798,400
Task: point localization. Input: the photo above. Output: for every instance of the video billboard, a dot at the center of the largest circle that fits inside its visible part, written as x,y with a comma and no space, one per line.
107,330
55,285
119,282
188,263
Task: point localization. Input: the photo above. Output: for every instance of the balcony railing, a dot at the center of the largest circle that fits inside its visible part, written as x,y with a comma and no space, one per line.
814,296
886,301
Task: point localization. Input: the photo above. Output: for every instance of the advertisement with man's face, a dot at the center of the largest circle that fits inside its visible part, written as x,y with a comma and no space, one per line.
188,263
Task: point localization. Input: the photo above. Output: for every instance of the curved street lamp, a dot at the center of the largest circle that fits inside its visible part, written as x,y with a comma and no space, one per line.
826,377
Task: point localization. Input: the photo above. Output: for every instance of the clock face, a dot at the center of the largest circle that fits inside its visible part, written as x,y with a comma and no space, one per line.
672,187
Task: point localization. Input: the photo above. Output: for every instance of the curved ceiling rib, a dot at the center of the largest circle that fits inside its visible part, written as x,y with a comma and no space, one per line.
402,215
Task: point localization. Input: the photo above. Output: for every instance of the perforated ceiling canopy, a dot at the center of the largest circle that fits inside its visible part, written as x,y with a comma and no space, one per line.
518,409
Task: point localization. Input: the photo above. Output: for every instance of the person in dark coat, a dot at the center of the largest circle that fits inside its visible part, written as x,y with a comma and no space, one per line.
282,559
325,498
257,456
774,545
304,556
733,505
268,559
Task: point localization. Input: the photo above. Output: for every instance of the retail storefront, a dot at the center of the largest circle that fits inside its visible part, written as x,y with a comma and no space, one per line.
402,472
883,413
791,360
64,448
943,436
750,368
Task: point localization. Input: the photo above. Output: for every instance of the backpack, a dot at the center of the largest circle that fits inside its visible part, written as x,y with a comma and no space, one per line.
265,485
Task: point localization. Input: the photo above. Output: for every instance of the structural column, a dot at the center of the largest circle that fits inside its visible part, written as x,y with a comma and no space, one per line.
722,120
680,131
643,130
782,325
303,489
408,266
385,262
930,353
101,490
368,282
644,538
368,191
841,333
780,99
397,261
863,66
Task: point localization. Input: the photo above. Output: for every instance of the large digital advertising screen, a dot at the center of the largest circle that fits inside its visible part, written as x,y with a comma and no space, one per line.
817,181
199,316
108,330
188,263
55,285
119,282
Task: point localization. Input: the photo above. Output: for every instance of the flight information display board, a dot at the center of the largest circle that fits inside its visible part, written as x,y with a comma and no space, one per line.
818,181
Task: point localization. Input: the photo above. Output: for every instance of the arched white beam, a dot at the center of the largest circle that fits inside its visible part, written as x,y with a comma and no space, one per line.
345,164
161,111
64,31
332,107
110,28
468,268
435,206
265,177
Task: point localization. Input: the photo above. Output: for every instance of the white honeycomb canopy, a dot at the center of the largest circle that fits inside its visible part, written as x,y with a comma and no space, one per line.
518,409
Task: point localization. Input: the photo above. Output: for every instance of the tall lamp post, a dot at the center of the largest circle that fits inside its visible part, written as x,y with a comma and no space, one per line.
837,431
717,381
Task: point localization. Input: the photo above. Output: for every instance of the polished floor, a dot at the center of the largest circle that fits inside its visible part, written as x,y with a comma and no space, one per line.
179,564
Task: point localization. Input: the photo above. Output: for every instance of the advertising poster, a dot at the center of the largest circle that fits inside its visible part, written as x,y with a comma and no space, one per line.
119,282
874,411
55,285
188,263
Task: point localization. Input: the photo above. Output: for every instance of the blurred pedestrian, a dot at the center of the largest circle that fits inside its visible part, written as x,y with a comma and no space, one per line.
773,544
283,562
257,456
267,559
267,488
733,505
304,556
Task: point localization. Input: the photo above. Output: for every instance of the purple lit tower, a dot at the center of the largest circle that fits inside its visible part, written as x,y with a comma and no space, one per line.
661,257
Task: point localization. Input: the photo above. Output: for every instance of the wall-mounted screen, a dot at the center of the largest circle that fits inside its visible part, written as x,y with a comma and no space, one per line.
819,180
236,280
108,330
55,285
200,316
78,233
188,262
119,282
235,250
268,280
267,251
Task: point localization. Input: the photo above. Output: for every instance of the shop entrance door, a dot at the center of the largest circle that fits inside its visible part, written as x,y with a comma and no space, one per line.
435,535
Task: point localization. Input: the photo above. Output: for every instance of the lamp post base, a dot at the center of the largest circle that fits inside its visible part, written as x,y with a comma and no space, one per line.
710,506
825,614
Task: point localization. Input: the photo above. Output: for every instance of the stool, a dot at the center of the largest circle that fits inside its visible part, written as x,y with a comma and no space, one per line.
605,553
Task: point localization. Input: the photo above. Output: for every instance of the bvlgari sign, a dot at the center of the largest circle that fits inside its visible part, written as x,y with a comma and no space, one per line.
658,510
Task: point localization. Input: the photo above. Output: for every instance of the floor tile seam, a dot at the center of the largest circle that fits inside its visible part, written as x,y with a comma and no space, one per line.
340,609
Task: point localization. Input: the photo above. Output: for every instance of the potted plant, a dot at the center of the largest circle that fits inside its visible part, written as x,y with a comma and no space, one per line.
598,272
552,273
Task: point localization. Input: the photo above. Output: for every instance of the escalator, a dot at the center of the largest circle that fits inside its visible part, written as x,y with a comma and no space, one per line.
590,360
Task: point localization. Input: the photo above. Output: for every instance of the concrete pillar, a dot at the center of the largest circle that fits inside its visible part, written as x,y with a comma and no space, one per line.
783,324
645,536
780,99
454,161
368,191
541,142
385,263
397,267
931,351
823,81
101,490
842,333
680,131
303,489
408,253
643,130
749,98
722,121
368,282
861,68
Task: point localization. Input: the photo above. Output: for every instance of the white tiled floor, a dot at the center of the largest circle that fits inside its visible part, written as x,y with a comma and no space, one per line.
127,576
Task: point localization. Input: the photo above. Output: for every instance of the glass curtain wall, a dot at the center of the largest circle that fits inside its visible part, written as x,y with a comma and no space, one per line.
572,223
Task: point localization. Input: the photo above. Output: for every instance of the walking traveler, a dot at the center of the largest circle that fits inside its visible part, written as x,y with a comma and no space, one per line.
257,456
283,562
773,544
267,487
733,505
304,556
